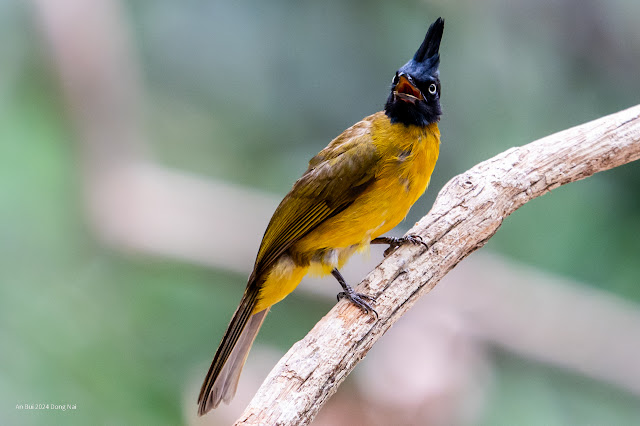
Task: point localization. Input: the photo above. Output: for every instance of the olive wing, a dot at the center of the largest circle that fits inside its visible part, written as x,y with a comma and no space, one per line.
335,178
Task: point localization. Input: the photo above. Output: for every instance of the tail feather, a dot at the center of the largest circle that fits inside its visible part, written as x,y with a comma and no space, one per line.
222,379
232,369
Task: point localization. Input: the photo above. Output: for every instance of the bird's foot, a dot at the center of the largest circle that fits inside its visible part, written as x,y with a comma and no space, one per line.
358,299
395,242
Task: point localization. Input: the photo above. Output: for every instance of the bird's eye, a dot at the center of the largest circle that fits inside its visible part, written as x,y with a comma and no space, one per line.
432,89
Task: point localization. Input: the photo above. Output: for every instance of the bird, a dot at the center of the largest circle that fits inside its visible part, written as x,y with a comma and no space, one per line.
356,189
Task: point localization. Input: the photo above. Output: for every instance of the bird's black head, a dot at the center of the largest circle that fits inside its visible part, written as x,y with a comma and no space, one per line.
415,89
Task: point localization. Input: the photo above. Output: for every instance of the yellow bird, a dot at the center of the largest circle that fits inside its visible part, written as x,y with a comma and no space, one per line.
356,189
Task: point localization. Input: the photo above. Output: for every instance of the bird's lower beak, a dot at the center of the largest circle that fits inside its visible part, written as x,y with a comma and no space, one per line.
407,91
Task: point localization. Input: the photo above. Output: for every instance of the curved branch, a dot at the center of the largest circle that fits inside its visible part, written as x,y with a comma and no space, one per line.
467,212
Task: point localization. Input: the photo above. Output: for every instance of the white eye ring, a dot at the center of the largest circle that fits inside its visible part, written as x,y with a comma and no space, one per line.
432,89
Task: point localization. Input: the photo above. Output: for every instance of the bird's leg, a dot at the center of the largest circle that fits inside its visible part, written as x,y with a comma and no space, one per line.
395,242
358,299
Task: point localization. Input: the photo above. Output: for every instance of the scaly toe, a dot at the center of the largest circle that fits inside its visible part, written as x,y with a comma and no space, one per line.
416,239
359,300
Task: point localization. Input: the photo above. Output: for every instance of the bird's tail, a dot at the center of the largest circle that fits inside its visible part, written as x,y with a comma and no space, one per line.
222,379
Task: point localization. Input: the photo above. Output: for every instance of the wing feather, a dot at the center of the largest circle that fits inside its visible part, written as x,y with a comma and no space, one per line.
335,178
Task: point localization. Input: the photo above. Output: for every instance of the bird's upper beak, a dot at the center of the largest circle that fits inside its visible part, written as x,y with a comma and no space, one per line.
406,90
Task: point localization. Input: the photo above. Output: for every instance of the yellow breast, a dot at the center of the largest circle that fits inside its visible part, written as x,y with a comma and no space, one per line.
409,157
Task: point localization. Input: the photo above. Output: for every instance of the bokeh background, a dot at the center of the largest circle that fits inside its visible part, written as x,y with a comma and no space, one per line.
144,145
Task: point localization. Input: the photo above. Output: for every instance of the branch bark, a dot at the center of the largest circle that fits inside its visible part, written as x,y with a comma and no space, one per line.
467,212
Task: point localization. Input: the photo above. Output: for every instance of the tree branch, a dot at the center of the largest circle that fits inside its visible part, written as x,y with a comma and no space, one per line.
467,212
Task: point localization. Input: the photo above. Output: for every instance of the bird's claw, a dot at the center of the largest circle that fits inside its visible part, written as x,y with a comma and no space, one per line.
397,242
415,239
360,300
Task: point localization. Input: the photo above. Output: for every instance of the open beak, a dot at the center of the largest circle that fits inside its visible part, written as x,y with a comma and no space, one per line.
406,90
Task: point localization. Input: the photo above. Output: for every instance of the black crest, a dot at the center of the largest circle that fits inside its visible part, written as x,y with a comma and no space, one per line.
423,107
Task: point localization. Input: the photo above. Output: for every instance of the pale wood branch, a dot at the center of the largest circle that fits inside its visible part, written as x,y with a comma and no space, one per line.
468,211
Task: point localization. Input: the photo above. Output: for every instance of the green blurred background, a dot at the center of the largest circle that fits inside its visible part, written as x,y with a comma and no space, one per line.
246,92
